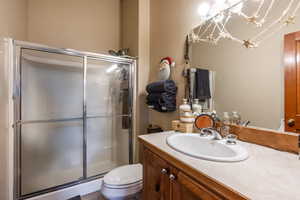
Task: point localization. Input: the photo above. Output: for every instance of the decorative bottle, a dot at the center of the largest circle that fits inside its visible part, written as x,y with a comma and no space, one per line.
184,107
185,112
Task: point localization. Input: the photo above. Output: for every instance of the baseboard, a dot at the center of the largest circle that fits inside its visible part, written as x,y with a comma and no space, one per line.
67,193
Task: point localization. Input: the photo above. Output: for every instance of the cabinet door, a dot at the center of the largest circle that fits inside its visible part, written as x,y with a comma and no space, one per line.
156,179
185,188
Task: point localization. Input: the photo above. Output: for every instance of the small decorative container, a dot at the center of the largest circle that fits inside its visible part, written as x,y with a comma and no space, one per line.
186,127
187,117
176,125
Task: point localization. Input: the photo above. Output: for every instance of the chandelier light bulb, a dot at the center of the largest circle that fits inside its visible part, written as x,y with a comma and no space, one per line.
203,9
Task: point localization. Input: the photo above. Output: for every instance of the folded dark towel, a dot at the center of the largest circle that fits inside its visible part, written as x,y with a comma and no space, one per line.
161,97
202,86
162,86
162,102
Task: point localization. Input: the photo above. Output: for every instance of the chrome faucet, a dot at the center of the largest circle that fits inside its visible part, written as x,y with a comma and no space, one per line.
230,138
210,131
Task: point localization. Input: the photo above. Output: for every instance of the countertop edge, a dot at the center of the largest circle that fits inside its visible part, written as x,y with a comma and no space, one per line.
206,180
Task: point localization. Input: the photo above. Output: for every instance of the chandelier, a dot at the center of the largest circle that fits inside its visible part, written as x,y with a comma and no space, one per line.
216,17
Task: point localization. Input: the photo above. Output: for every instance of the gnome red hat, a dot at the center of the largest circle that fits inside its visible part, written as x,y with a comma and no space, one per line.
168,60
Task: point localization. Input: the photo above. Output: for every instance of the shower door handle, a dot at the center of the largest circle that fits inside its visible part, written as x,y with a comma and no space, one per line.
15,92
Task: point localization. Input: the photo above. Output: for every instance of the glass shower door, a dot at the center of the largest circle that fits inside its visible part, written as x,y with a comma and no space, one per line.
107,116
51,120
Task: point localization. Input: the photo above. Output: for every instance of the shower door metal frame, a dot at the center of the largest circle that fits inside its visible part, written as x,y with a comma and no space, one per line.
18,46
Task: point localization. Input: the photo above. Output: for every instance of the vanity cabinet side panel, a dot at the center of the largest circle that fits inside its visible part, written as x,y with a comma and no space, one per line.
156,179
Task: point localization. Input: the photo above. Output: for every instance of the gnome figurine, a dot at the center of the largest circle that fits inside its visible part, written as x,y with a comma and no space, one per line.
165,68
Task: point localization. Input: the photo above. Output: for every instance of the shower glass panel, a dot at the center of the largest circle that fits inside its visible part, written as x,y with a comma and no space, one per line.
107,116
107,146
51,116
52,85
51,155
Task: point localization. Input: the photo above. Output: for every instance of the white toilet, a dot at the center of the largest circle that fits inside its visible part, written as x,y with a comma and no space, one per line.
125,182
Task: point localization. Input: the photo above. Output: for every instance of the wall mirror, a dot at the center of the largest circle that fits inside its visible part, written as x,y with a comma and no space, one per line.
251,80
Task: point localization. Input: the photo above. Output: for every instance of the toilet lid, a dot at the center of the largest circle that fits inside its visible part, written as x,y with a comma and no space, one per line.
124,175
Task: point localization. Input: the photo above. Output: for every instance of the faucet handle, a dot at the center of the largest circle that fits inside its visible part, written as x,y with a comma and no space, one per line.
231,139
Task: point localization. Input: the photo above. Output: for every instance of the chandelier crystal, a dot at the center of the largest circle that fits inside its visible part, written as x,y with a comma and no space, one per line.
216,17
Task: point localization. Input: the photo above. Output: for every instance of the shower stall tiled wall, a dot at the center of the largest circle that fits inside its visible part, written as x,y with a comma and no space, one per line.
72,116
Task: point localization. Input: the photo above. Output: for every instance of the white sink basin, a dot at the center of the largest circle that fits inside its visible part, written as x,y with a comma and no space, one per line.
205,148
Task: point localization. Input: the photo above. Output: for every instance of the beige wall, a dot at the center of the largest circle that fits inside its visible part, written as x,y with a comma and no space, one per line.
248,80
129,25
13,19
142,118
13,15
171,20
85,25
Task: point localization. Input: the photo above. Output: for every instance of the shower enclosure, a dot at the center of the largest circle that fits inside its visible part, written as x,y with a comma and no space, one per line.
72,114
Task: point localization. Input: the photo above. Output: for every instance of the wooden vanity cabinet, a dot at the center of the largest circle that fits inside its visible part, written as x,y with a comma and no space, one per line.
156,183
162,181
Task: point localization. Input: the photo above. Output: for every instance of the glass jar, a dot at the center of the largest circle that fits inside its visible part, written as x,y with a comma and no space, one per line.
197,108
226,118
236,118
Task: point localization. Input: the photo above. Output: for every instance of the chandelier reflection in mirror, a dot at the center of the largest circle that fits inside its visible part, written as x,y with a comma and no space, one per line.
260,14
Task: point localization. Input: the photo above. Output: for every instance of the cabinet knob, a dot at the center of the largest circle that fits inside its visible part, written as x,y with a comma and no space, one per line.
164,171
291,122
172,177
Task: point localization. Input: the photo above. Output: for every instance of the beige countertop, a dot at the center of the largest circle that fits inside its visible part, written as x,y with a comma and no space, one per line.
266,175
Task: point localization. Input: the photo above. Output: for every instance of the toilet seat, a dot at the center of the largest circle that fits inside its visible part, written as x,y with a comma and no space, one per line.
123,181
124,175
123,186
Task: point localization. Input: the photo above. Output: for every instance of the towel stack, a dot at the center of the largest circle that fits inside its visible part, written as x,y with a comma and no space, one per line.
162,96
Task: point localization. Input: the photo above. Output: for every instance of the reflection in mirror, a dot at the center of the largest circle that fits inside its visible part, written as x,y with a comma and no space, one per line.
248,81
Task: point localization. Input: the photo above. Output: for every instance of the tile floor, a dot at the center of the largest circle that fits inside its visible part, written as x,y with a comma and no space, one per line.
93,196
